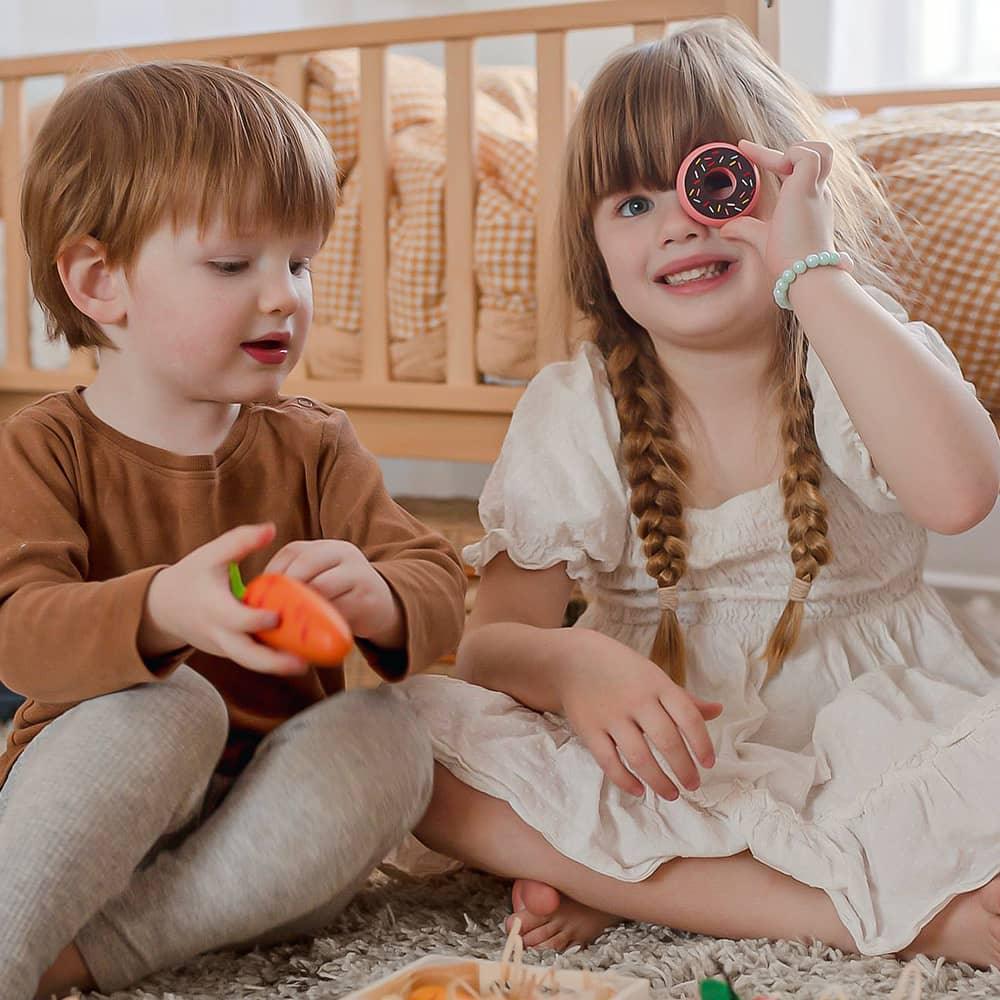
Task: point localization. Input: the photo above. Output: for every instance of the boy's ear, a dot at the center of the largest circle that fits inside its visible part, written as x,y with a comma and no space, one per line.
93,286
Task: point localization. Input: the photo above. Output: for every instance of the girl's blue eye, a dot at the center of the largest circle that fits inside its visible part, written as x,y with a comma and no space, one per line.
635,206
298,267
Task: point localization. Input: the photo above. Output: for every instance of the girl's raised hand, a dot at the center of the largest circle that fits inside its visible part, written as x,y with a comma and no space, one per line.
620,715
802,220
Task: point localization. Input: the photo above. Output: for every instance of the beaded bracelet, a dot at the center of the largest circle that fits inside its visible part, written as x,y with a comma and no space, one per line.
824,258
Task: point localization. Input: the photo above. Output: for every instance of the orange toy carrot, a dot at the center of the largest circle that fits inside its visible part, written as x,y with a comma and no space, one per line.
309,626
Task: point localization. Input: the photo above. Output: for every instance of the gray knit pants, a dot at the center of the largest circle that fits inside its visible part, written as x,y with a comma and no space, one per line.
106,838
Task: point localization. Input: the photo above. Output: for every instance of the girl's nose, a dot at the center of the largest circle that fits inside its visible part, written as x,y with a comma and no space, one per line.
676,226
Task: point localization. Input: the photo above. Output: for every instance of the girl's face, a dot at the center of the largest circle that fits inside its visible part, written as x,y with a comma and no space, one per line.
215,317
678,279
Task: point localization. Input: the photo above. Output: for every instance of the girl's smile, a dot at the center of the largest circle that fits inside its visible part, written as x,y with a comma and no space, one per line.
695,275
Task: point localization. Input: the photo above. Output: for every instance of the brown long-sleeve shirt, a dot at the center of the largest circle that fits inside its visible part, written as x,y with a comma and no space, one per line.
88,516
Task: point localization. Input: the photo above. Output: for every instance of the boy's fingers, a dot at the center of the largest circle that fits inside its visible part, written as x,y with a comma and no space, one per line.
311,561
250,620
262,659
238,543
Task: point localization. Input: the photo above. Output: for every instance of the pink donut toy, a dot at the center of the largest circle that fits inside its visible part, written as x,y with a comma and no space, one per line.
716,183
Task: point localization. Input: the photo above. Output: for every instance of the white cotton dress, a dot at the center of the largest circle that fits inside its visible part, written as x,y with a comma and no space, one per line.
869,767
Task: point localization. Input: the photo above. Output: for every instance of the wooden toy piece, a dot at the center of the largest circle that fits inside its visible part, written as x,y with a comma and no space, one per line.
716,183
309,625
716,989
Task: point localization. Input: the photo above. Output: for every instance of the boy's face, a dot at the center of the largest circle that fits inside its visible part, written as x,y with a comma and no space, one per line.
216,317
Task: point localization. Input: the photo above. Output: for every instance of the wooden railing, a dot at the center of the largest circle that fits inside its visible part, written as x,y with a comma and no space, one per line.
459,418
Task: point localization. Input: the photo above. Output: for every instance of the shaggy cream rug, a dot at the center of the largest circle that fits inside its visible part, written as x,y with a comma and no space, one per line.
397,920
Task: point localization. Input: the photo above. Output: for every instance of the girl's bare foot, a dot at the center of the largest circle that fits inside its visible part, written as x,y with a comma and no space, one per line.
549,920
966,930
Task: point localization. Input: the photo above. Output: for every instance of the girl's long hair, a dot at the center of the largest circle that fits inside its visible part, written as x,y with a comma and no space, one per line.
649,106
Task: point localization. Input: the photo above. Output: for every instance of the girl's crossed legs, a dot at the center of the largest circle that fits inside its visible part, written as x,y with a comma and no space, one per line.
731,897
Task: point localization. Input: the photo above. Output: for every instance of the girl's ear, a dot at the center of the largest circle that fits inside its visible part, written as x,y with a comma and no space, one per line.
93,286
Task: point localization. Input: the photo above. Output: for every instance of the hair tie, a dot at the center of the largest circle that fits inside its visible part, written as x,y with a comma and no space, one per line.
799,590
666,597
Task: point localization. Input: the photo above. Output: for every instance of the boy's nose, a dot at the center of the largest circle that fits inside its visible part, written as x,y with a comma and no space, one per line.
279,294
676,226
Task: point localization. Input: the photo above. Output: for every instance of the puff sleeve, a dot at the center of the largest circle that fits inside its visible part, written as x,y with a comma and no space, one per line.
556,493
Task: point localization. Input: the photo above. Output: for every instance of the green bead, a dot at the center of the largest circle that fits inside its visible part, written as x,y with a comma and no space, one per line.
812,260
835,257
799,267
825,257
787,276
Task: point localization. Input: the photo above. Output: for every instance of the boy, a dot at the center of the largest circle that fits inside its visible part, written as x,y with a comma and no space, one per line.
170,213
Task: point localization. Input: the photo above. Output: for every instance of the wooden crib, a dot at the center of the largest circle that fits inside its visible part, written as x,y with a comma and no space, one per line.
461,418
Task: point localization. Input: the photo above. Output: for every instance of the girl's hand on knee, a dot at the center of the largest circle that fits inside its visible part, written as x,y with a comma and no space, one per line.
622,706
191,604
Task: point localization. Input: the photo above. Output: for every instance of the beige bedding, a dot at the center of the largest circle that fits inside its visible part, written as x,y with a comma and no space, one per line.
506,143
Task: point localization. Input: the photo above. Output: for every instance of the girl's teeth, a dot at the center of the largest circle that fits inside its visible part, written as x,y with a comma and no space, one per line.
682,277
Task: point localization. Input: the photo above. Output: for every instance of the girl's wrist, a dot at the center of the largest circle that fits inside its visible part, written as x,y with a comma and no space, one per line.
816,288
817,262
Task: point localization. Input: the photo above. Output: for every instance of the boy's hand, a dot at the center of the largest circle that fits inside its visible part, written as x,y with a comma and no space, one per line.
344,576
621,704
190,604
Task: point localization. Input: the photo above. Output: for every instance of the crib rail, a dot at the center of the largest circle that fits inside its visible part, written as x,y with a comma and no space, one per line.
460,418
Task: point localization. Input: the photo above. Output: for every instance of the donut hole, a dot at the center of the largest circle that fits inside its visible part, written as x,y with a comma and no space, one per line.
719,184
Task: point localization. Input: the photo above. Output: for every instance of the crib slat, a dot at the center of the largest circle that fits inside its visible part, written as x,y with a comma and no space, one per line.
553,117
82,362
290,76
648,31
12,152
460,193
373,162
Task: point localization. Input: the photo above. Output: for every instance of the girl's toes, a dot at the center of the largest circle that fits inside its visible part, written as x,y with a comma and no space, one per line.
539,937
529,923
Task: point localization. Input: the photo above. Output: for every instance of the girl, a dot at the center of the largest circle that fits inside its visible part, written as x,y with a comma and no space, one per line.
765,724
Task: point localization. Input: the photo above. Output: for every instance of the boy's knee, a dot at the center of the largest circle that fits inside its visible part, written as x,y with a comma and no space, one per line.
182,718
373,742
404,752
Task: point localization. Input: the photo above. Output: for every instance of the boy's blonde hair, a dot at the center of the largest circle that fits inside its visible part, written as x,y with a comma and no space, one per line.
649,106
122,150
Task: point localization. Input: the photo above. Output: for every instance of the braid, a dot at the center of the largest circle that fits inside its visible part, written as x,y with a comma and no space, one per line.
805,507
656,468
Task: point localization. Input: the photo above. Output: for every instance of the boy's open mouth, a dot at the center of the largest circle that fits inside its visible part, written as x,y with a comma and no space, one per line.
269,350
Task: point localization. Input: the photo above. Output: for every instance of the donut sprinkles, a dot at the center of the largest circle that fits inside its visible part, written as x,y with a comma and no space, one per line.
716,183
